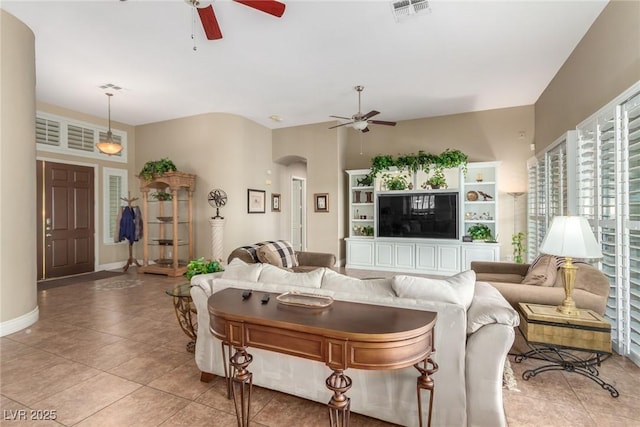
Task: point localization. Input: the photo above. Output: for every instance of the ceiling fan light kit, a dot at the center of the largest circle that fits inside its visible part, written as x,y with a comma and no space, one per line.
361,121
109,146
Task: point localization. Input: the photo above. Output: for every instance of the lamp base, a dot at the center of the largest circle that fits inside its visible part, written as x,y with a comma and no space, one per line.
568,306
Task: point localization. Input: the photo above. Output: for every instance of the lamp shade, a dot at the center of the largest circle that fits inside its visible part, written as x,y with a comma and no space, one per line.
570,236
360,124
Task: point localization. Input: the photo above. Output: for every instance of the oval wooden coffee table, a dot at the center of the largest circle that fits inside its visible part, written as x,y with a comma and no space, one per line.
345,335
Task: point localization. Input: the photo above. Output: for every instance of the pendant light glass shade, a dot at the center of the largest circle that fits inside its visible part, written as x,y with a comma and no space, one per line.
109,146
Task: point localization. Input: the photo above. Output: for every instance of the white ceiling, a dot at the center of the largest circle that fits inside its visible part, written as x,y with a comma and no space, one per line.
463,56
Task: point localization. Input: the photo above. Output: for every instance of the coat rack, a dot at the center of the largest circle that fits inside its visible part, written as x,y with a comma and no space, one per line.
131,260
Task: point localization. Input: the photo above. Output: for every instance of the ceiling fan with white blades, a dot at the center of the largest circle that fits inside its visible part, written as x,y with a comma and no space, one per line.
210,22
361,121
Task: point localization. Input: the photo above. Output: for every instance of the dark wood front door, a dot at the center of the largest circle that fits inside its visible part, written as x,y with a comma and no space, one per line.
66,229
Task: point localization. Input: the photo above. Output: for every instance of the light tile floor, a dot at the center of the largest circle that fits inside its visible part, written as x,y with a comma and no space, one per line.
110,353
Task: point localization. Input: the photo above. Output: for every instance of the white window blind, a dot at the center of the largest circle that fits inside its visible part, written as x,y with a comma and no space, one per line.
80,138
47,131
62,135
557,181
537,204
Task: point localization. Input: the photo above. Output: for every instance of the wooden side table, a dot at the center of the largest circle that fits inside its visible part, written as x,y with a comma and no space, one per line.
571,343
185,312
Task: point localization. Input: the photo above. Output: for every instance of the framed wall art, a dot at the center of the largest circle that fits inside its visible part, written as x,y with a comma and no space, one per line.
275,202
321,202
255,201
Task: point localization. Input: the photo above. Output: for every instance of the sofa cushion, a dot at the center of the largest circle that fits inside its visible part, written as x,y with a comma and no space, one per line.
542,271
456,289
273,274
240,270
489,306
334,281
279,253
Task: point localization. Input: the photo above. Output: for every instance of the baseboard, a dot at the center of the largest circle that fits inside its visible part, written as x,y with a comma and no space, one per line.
113,265
19,323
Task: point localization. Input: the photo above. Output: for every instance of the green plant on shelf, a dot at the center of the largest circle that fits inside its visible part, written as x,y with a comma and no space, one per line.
162,196
200,266
363,230
156,167
395,182
437,180
480,232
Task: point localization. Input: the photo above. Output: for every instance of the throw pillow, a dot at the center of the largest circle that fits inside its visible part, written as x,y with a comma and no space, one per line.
456,289
542,271
276,275
240,270
279,253
340,283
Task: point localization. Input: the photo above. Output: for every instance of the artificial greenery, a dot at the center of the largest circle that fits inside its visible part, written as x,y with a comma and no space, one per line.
363,230
437,180
421,161
480,232
162,196
200,266
518,247
366,181
395,182
157,167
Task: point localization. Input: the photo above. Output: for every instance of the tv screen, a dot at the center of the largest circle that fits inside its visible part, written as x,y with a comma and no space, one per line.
427,215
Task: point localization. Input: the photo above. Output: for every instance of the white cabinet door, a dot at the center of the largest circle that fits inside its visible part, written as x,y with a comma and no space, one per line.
360,253
448,259
479,253
384,254
404,254
426,257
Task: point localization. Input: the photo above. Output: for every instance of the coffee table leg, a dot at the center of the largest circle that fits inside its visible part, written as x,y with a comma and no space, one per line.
242,383
425,382
340,404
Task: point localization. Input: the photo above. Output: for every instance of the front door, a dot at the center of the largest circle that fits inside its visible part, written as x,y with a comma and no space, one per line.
66,228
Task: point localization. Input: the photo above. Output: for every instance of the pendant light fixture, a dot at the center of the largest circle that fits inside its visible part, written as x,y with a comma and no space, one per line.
109,146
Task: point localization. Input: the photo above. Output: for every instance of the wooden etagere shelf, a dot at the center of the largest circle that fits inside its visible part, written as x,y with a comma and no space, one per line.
164,229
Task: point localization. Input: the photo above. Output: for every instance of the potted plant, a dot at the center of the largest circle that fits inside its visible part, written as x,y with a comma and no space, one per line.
200,266
157,167
437,180
161,196
395,182
518,247
480,232
422,161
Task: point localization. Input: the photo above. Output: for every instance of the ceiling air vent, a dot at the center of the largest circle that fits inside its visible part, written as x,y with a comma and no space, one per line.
403,9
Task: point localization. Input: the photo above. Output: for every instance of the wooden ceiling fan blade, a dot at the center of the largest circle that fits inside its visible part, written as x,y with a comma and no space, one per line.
370,114
382,122
272,7
342,124
209,23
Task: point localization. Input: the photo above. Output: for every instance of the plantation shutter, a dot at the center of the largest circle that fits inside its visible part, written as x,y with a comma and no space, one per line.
80,138
47,131
631,135
557,181
537,206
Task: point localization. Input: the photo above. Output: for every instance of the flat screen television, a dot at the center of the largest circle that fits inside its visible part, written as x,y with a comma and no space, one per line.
429,215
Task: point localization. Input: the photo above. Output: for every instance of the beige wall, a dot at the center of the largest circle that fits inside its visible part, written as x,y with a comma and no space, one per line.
111,253
603,65
224,151
492,135
18,301
320,147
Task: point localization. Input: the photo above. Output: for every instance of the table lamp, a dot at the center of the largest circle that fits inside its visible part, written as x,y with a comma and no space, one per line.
570,237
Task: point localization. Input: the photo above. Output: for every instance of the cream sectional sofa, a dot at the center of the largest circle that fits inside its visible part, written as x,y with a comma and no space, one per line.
473,333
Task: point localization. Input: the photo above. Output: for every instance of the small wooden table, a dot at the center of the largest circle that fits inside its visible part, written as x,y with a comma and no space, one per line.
343,335
558,338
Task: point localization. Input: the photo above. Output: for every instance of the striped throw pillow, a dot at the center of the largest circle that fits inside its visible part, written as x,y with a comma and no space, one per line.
279,253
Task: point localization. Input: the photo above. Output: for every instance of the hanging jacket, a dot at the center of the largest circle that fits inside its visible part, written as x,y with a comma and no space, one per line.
137,220
127,225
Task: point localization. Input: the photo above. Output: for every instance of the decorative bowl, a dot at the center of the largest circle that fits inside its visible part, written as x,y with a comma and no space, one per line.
472,196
